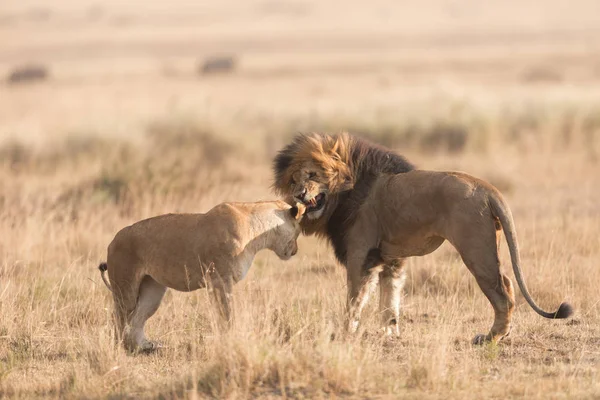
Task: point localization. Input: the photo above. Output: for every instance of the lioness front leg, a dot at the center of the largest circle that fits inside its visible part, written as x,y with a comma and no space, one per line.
391,282
221,290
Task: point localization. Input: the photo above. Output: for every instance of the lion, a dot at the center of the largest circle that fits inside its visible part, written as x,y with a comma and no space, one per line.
186,252
376,210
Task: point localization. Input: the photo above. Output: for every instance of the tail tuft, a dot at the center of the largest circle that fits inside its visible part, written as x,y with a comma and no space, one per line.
564,311
103,267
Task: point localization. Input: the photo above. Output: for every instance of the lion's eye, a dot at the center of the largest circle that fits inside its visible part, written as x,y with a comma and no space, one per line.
312,175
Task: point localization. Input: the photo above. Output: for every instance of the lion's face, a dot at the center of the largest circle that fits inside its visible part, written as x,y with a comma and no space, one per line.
312,170
309,186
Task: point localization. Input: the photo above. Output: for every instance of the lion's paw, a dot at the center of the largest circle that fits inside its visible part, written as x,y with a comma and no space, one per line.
480,339
148,347
391,331
353,326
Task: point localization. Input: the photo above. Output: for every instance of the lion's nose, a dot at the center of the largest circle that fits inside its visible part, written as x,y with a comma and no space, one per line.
302,194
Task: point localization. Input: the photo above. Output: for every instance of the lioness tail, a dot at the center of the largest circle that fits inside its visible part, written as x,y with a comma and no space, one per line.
103,267
501,211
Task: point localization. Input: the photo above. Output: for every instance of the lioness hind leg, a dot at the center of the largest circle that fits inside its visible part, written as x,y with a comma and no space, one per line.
480,255
150,297
125,294
391,282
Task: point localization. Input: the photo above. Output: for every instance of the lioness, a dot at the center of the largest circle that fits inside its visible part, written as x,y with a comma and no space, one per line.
376,210
186,252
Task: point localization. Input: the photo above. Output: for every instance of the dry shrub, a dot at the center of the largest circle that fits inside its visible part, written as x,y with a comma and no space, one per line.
457,128
74,151
442,132
542,74
15,155
177,158
182,138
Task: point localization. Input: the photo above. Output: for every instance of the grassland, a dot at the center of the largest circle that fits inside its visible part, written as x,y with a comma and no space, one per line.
124,129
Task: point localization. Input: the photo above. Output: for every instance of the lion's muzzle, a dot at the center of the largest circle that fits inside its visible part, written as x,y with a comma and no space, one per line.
312,203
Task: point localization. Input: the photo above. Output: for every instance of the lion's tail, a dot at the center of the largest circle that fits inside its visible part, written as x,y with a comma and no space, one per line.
103,267
501,211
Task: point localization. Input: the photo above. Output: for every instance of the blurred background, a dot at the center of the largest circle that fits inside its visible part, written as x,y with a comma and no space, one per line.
121,94
438,74
112,111
93,79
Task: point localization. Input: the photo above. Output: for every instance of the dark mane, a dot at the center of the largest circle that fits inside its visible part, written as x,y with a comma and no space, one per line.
283,160
372,159
367,161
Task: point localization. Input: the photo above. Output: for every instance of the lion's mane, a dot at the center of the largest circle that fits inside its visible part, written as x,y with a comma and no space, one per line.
346,161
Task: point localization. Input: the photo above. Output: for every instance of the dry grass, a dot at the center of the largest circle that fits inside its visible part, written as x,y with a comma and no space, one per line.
125,128
62,204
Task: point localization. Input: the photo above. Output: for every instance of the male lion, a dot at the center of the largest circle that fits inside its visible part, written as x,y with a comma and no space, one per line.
376,210
186,252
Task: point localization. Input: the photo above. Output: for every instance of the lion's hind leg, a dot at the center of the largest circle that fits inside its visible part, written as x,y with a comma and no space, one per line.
479,252
150,297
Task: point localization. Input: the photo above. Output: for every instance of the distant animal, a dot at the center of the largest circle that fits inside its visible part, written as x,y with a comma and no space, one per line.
28,73
376,210
186,252
218,64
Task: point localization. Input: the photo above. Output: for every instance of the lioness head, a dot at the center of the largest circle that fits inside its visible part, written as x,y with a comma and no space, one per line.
286,234
312,169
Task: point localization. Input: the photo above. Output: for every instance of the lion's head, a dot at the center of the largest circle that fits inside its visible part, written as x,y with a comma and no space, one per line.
332,176
313,169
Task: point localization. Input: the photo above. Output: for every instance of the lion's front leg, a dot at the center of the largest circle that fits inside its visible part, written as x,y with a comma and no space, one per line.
360,289
391,283
363,276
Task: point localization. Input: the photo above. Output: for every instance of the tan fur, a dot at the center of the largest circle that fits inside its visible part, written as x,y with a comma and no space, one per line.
186,252
402,215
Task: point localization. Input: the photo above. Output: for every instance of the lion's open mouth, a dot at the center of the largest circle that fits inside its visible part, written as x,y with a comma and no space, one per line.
316,203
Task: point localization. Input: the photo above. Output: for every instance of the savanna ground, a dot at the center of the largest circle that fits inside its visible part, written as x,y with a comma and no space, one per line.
125,128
